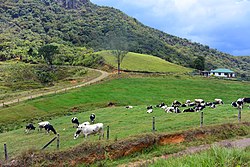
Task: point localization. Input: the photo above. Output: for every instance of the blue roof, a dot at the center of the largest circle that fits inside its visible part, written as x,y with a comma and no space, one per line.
222,70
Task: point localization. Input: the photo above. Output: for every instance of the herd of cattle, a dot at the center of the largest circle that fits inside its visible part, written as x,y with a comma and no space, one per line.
89,128
196,106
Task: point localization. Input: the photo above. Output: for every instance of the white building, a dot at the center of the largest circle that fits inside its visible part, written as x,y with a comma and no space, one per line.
222,72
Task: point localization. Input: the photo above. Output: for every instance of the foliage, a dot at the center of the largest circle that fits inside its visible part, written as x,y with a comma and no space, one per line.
28,25
48,52
199,63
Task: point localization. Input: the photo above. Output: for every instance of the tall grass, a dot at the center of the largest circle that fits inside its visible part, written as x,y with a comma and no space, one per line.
216,156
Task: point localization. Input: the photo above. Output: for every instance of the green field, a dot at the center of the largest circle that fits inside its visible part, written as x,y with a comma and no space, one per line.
136,91
143,62
214,157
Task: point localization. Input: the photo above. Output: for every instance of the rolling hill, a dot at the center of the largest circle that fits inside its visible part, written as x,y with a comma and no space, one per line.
26,25
142,62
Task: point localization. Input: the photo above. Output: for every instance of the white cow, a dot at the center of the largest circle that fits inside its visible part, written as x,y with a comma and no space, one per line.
88,129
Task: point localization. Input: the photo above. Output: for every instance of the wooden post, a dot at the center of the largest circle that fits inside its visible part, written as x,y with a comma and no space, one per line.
239,115
58,141
201,121
3,104
49,142
5,152
107,132
153,124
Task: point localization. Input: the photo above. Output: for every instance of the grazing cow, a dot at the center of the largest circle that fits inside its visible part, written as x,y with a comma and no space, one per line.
87,129
128,107
75,121
92,118
149,110
240,102
218,101
199,107
160,105
49,128
172,109
199,101
149,107
42,124
188,110
188,101
176,104
29,127
184,105
191,104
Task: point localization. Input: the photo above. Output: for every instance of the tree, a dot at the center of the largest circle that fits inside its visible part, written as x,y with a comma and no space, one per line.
119,46
48,52
199,63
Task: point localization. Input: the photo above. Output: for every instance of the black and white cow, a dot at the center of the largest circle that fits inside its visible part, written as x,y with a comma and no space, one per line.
41,125
160,105
49,128
128,107
29,127
149,109
92,118
199,107
75,121
176,103
172,110
240,102
188,110
218,101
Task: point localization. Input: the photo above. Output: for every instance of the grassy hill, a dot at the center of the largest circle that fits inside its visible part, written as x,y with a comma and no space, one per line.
143,62
28,25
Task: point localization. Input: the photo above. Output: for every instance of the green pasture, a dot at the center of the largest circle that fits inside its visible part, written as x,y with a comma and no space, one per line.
142,62
125,91
124,123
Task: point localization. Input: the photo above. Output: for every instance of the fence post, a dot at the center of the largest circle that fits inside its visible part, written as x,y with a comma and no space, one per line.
58,141
239,115
49,143
3,104
5,152
201,121
107,132
153,124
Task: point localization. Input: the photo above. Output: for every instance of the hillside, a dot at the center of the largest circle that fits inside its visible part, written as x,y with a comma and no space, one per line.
27,25
142,62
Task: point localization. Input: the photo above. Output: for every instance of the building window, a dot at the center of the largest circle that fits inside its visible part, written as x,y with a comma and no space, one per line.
219,73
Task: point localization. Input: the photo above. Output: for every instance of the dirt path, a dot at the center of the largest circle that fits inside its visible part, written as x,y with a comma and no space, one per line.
242,143
102,76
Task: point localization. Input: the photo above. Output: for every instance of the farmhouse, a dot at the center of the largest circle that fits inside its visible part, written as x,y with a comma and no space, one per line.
220,72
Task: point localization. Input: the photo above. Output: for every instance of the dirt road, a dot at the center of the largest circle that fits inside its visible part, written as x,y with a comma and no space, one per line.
102,76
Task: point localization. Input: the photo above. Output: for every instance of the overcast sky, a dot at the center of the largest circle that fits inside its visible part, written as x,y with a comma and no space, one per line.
220,24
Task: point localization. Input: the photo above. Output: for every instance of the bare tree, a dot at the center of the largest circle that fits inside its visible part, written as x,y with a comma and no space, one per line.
119,46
